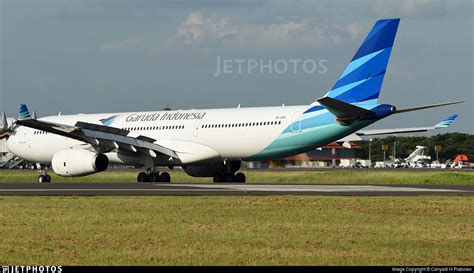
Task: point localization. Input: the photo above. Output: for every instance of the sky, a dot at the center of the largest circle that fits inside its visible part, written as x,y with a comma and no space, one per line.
103,56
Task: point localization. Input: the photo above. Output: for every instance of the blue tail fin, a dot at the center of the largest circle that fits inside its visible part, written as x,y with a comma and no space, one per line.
362,80
24,113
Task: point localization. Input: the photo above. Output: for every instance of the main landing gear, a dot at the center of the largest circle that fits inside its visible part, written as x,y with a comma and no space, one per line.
239,178
154,177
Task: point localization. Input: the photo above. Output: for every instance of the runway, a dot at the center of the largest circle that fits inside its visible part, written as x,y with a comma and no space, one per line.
148,189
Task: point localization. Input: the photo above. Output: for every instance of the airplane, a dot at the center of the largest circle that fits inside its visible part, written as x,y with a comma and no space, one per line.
212,142
357,136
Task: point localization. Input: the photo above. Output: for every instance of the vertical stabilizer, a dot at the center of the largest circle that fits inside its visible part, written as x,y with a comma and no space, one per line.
24,113
362,79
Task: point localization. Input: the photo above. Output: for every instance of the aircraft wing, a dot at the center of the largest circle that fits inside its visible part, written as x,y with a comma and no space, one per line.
101,137
376,132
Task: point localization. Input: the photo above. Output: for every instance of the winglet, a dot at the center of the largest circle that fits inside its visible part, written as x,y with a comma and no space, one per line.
445,123
24,113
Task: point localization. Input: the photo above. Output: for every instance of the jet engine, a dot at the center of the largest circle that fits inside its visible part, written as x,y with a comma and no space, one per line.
78,162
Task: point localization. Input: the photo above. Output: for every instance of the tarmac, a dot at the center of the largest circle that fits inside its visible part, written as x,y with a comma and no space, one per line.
229,189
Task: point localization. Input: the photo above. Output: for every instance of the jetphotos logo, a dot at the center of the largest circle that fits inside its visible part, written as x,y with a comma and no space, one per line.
108,121
31,269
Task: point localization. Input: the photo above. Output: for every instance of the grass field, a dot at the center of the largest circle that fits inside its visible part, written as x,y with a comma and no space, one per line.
313,177
284,230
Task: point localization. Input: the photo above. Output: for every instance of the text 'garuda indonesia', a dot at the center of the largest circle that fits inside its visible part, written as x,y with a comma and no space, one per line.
165,116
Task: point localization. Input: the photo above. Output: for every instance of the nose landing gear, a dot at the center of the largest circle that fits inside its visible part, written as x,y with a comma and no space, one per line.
44,178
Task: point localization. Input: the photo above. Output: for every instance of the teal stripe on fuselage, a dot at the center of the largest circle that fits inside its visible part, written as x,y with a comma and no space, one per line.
320,118
315,132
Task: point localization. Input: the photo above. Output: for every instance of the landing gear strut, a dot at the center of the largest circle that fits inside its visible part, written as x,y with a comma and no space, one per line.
239,178
154,177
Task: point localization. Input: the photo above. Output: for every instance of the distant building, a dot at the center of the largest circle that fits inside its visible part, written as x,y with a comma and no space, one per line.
331,155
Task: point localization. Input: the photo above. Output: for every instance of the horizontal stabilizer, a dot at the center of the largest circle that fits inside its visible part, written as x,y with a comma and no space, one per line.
398,111
343,110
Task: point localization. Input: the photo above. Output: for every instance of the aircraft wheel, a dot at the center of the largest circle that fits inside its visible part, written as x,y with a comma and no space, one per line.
42,178
165,177
142,177
154,177
230,178
240,177
224,178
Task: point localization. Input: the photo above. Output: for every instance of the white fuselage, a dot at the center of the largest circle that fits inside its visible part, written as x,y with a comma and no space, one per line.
235,133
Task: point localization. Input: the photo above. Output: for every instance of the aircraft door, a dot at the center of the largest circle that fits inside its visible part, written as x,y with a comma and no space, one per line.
296,123
197,124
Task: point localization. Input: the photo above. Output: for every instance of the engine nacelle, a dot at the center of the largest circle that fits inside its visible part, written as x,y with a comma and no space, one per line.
78,162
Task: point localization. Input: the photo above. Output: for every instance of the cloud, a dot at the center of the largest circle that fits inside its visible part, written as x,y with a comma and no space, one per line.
409,8
110,47
196,29
215,31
